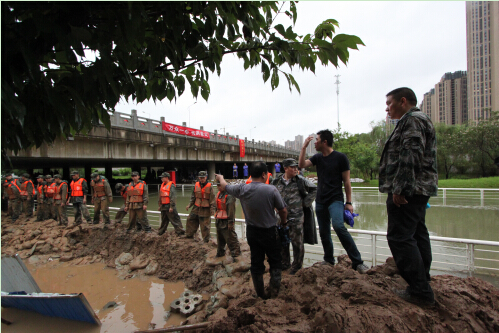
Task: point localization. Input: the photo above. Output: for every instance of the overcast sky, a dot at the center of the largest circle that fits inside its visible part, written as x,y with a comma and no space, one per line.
407,44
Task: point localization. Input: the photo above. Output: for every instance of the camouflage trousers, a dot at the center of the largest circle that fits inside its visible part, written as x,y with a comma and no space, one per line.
166,217
50,208
226,234
136,218
41,211
80,209
120,215
28,207
101,205
296,236
9,207
203,222
62,216
16,206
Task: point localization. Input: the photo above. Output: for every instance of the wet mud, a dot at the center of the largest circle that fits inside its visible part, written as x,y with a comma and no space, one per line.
316,299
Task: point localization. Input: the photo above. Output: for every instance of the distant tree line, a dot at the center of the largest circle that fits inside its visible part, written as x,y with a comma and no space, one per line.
463,151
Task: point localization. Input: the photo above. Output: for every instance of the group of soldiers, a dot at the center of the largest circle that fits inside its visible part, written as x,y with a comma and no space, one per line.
53,194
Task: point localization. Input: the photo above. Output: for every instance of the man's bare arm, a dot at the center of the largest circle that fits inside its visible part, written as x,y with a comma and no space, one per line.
348,189
302,163
222,183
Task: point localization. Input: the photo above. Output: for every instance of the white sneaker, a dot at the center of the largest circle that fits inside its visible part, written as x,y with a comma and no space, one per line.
362,269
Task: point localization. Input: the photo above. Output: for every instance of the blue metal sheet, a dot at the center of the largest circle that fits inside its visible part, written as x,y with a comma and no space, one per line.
72,306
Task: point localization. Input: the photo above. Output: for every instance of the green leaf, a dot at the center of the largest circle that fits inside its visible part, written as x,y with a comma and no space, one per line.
265,71
274,81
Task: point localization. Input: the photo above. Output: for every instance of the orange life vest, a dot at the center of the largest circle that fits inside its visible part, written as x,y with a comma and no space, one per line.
9,190
164,193
77,188
136,192
249,180
24,188
58,192
221,207
50,190
40,190
124,192
202,195
99,190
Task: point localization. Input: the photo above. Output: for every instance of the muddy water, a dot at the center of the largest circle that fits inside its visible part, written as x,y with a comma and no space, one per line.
140,301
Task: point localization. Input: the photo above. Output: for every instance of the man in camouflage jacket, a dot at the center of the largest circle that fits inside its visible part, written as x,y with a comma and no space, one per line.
288,185
408,173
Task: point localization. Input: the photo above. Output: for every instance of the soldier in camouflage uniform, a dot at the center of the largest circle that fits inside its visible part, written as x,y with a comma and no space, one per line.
5,194
102,196
41,207
60,200
27,195
167,203
408,173
49,197
203,200
78,190
136,203
289,184
13,190
225,219
122,190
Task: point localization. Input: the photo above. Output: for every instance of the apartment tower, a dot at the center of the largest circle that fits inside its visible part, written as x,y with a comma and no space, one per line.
482,41
448,101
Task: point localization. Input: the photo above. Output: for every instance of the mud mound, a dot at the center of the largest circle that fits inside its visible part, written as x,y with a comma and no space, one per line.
338,299
316,299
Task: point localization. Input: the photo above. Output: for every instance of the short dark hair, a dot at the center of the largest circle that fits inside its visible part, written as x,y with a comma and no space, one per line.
257,168
326,135
408,93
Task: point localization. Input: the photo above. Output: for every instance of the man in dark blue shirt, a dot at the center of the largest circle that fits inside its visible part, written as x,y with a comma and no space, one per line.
333,169
245,170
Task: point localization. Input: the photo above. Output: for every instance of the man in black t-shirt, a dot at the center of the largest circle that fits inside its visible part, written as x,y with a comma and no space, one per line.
333,169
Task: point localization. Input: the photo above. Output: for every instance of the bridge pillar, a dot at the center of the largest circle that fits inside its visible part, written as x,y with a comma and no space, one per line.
88,173
211,170
65,173
108,171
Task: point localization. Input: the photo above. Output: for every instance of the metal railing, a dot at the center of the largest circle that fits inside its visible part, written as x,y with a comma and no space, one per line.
466,256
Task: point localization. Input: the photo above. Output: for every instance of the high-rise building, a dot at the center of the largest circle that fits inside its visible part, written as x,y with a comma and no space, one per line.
482,42
298,142
447,102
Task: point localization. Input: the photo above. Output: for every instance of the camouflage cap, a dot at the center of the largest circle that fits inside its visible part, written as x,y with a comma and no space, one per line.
135,173
40,176
202,174
118,187
165,174
94,175
48,176
57,177
287,162
25,175
74,173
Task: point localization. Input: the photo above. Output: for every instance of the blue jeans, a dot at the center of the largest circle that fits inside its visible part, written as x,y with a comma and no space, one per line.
334,212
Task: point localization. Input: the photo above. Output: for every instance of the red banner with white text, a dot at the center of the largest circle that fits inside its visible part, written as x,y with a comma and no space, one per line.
181,130
242,150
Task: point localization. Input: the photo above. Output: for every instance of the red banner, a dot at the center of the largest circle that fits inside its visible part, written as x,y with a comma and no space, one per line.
242,150
185,131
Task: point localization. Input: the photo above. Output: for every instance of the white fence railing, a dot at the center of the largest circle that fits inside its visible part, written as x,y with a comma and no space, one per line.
449,254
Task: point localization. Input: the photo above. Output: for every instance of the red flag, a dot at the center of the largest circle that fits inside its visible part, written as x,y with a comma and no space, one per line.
242,150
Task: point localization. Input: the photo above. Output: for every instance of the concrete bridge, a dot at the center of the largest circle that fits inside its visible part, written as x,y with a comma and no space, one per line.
137,142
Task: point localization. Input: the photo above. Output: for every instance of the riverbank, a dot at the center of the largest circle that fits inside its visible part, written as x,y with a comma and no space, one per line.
319,298
487,182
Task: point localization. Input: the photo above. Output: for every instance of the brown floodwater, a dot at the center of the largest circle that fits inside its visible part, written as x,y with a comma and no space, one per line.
142,302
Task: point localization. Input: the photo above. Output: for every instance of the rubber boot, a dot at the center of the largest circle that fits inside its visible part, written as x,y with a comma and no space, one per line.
275,282
259,285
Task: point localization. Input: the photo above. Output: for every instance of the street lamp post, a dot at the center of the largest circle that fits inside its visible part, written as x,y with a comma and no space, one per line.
189,108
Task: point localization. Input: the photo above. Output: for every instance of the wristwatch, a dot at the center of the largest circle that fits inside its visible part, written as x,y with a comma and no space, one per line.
348,203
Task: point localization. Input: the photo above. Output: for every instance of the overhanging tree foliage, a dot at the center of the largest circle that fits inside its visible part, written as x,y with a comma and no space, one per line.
66,64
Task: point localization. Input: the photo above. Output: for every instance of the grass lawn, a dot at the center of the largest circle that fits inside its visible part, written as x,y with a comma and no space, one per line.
488,182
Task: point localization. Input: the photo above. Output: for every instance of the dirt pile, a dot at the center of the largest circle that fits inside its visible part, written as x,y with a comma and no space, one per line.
317,299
